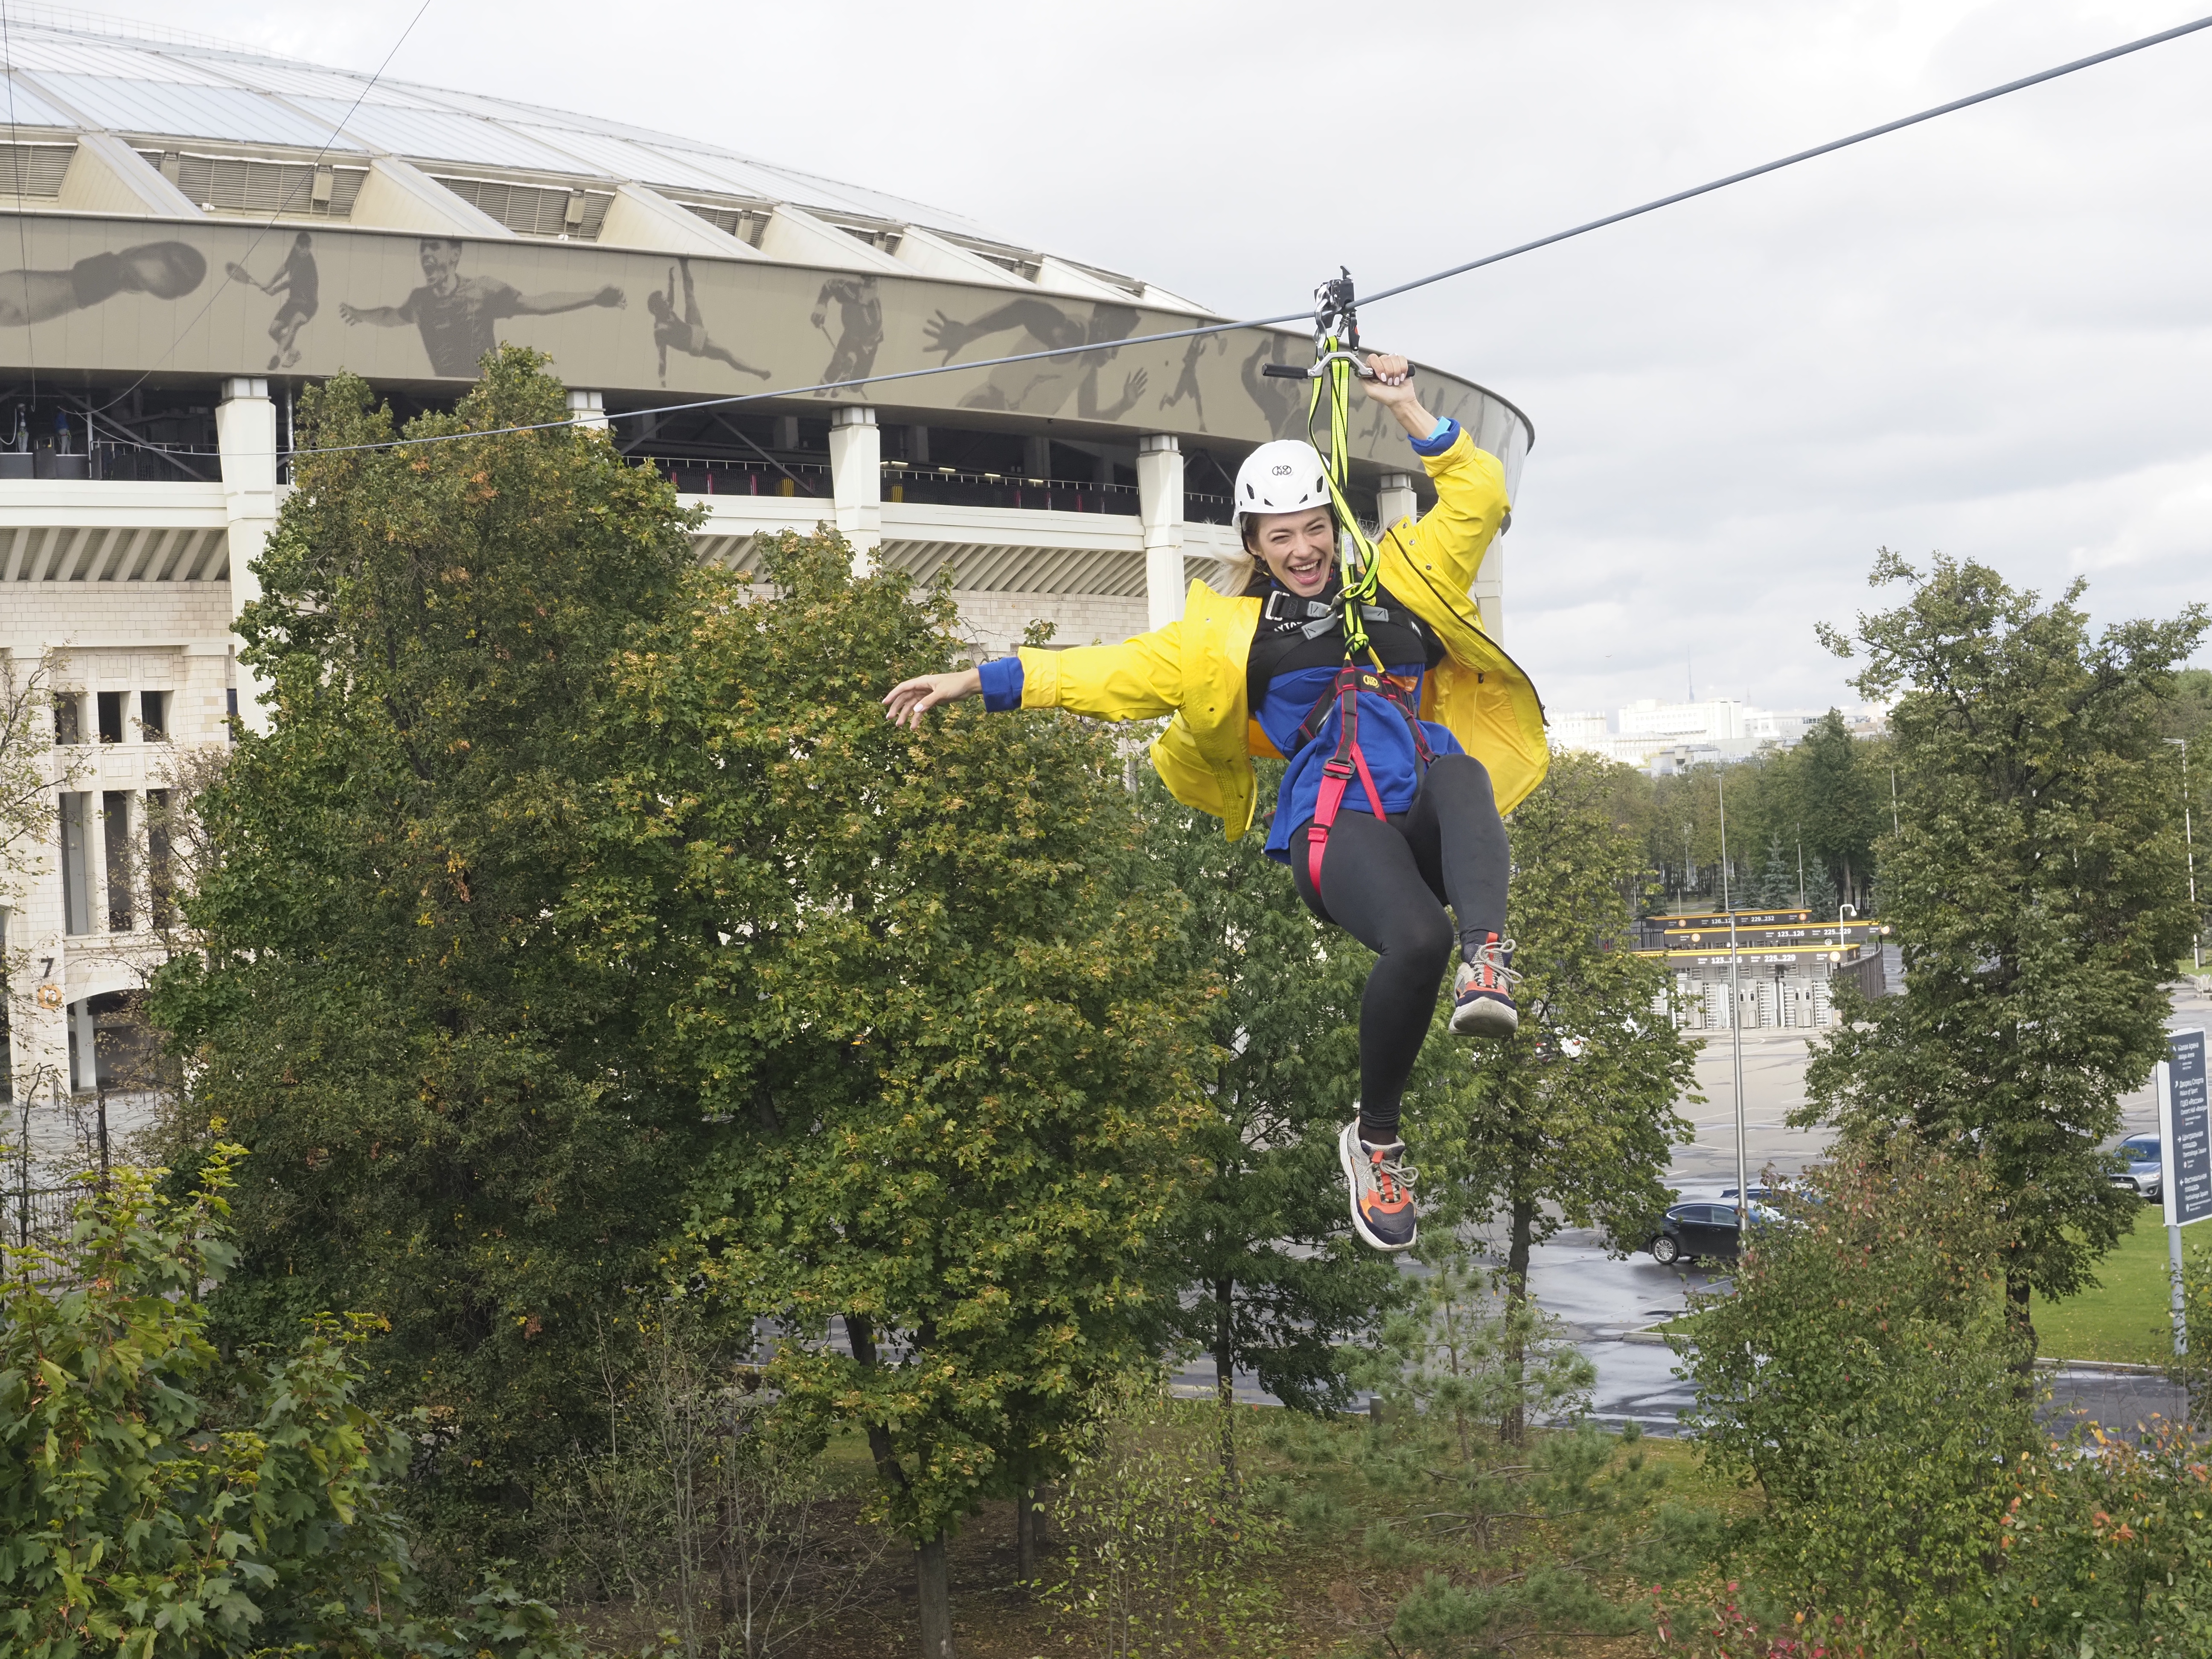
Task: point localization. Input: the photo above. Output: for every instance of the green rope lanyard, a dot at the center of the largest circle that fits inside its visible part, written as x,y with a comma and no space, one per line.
1361,567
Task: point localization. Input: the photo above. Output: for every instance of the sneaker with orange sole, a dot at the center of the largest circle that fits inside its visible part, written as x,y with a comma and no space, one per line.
1482,992
1382,1212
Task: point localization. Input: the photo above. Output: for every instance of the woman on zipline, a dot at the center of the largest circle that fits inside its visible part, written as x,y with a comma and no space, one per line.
1400,763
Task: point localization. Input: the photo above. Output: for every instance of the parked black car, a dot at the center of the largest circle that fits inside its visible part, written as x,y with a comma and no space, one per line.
1690,1231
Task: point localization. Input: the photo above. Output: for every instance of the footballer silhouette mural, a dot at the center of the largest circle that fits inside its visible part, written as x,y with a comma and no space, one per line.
100,295
457,315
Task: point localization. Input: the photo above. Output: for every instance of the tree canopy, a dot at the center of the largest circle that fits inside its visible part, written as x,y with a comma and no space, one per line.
455,1111
2039,890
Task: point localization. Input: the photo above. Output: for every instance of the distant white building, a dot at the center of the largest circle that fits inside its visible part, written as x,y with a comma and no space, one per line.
1669,736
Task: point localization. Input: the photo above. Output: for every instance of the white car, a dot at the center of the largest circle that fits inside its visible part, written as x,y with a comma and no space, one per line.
2145,1167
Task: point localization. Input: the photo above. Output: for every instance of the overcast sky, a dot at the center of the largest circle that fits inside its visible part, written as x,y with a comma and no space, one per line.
1989,335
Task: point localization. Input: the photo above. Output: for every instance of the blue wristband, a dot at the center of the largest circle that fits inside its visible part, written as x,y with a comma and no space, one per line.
1445,435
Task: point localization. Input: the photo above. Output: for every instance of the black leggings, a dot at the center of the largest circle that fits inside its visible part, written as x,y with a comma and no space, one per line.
1387,885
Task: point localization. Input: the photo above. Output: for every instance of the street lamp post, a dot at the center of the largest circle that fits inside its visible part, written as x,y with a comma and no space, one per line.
1735,1022
2189,842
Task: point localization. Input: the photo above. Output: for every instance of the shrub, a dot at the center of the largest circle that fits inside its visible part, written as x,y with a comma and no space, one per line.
1518,1542
1862,1375
160,1498
703,1504
1161,1539
157,1498
2107,1549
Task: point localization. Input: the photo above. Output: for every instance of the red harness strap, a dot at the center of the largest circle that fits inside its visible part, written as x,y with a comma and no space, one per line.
1337,773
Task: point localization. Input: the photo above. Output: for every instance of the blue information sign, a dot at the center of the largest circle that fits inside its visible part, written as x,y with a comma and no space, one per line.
2188,1127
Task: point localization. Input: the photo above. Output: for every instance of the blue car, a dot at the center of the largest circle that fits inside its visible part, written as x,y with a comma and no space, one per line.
2144,1169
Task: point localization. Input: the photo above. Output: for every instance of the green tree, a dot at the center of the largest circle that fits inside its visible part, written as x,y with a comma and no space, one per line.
2038,893
2188,725
158,1498
1277,1279
1572,1122
1842,796
926,984
1820,895
456,1114
1859,1374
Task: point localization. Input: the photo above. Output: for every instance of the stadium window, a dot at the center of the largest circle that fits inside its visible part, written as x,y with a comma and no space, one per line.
154,716
230,705
115,823
76,892
159,884
111,716
69,724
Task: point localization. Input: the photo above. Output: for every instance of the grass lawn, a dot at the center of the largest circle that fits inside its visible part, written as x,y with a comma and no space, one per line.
2127,1317
1330,1597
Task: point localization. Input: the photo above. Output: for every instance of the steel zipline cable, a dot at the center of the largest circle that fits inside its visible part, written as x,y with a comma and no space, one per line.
1653,206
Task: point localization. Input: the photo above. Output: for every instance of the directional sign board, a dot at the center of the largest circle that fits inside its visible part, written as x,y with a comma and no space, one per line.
2186,1123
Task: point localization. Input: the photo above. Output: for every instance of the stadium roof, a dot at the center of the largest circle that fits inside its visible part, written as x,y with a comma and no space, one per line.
85,73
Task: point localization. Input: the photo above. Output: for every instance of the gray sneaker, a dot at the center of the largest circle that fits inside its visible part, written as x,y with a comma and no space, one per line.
1482,992
1382,1210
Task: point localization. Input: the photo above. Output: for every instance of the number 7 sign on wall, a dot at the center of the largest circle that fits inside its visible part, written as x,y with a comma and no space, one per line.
2185,1122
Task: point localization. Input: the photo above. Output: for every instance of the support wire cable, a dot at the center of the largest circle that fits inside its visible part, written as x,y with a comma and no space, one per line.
1885,128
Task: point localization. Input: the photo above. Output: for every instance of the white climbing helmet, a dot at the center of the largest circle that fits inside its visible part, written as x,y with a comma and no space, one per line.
1286,476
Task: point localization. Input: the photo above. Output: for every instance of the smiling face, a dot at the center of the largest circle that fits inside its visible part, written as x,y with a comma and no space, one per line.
1297,548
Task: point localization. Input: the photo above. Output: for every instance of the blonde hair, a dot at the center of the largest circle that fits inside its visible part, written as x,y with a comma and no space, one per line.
1234,571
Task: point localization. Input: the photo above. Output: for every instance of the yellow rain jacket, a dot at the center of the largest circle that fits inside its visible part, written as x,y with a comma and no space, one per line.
1193,668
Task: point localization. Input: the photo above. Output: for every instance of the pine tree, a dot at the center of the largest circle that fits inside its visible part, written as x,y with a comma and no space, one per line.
1776,886
1820,894
1572,1122
2039,892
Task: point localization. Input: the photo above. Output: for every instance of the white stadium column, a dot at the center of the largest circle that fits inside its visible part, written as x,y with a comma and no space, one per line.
245,436
1490,589
856,482
1159,510
588,409
1394,499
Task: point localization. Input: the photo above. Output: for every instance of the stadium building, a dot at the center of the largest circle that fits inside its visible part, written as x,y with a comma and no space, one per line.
200,229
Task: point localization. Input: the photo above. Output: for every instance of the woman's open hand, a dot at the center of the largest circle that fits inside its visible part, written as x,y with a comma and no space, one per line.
909,699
